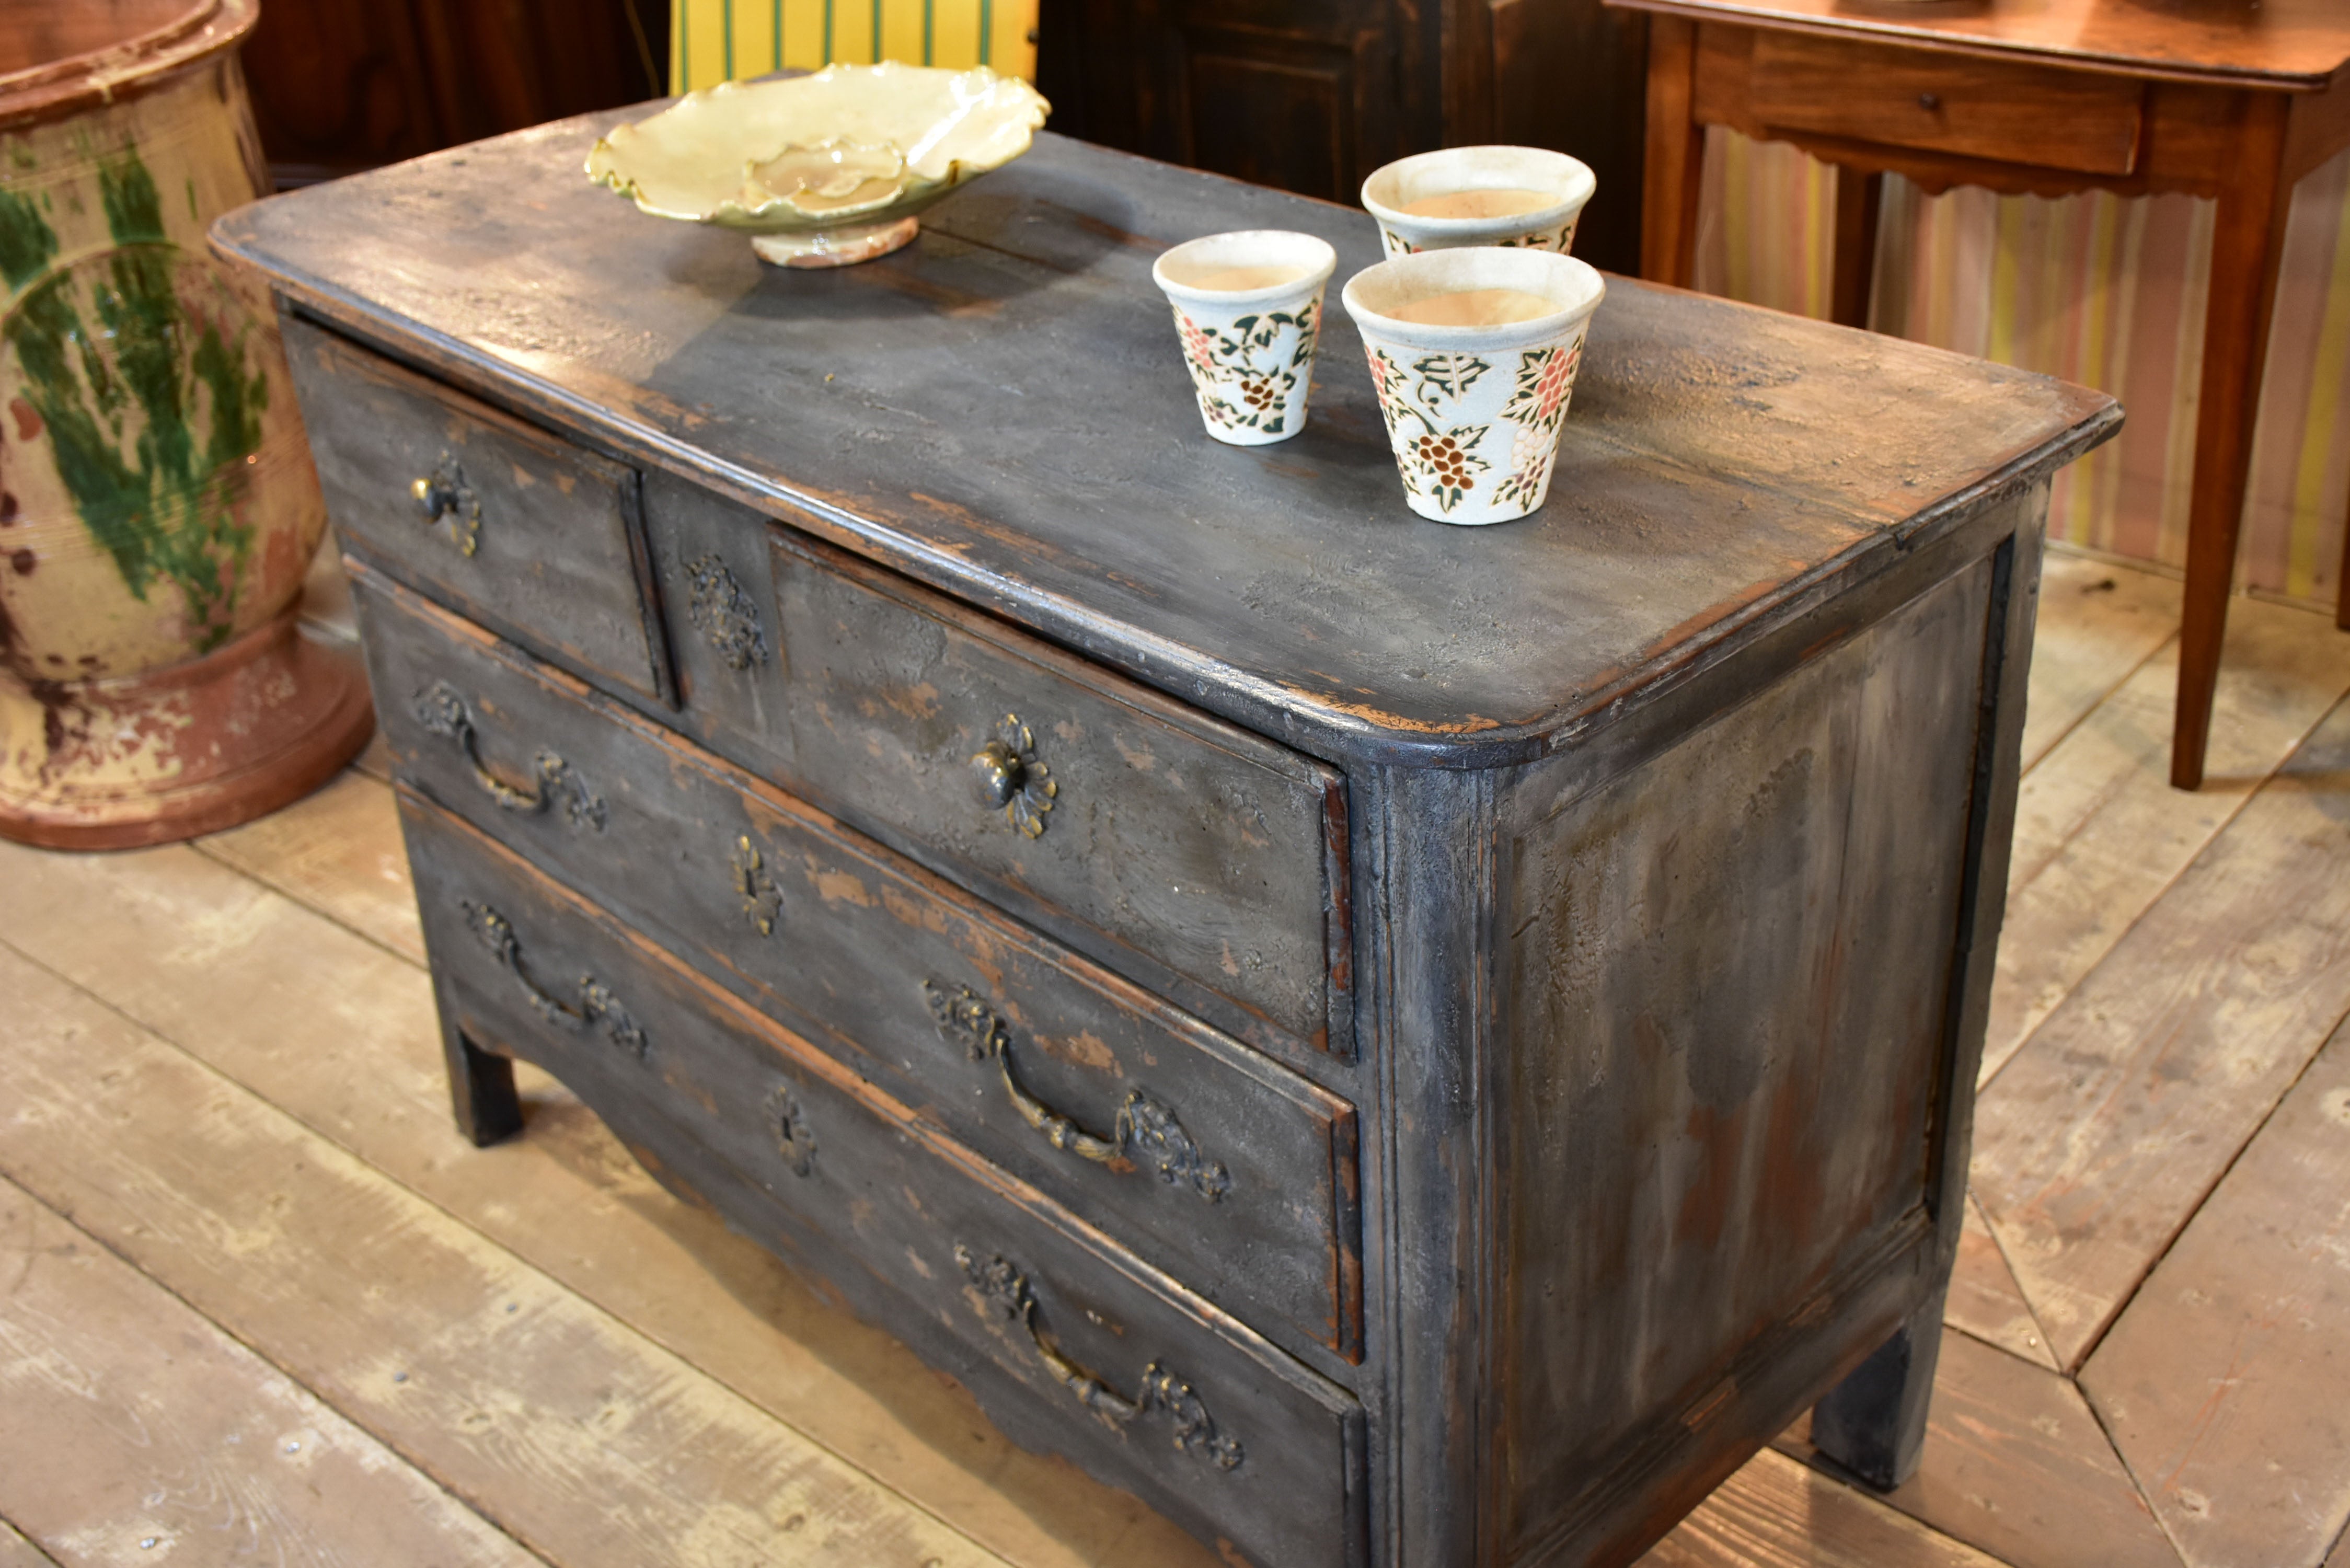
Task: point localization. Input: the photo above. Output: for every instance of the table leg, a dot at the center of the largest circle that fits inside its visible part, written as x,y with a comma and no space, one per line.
1874,1422
2246,239
1858,198
2342,588
1676,155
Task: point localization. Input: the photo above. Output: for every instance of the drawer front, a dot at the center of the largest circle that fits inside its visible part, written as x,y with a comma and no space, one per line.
1234,1172
1074,1345
521,530
1202,861
1946,102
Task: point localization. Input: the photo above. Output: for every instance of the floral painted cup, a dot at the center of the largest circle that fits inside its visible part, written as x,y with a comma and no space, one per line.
1478,196
1473,409
1248,308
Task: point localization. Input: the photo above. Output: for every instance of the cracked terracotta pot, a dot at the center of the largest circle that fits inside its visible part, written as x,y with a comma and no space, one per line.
158,510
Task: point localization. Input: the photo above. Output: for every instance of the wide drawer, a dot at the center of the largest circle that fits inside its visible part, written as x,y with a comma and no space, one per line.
1946,102
1072,1344
1234,1172
520,529
1205,862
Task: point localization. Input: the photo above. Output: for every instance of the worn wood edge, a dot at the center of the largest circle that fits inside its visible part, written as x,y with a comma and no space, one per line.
321,1153
1730,13
1261,703
179,1348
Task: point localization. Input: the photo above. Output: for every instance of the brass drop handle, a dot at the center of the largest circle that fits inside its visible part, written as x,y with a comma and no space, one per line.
1145,1126
1013,779
1000,1289
442,712
596,1002
445,494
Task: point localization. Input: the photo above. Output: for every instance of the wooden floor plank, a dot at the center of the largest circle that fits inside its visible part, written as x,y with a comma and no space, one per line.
16,1552
2098,622
338,852
2097,1142
2099,832
136,1428
1986,1302
2227,1380
2016,1465
580,1437
1777,1512
340,1034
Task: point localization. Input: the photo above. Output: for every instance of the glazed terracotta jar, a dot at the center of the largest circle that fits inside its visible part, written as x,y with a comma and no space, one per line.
158,510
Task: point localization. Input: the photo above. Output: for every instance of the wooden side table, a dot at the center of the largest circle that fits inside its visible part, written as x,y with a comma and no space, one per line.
2045,97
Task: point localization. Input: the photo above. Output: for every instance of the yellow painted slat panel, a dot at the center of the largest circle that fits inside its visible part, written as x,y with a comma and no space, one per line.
713,40
803,34
902,30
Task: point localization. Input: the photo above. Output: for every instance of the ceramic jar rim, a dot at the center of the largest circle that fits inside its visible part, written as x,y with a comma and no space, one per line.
1247,247
1497,167
1403,279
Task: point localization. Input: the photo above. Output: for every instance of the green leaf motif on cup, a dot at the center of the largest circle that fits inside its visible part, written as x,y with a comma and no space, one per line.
1436,460
1449,374
1236,389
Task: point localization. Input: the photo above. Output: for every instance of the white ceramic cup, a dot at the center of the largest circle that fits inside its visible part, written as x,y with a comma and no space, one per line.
1250,350
1473,411
1551,227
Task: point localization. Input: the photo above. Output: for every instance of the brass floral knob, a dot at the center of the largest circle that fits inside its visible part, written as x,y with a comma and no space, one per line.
449,505
1013,779
1000,774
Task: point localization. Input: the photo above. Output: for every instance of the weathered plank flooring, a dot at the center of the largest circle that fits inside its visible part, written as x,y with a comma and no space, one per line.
232,1212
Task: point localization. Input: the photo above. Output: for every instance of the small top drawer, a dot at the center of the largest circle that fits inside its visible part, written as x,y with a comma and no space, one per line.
1946,102
525,531
1198,859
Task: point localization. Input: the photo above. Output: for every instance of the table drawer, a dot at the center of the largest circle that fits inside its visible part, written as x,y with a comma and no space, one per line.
1074,1345
1948,102
1201,860
1234,1172
522,530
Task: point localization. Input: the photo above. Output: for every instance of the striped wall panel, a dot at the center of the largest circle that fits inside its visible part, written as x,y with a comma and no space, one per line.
712,41
2096,289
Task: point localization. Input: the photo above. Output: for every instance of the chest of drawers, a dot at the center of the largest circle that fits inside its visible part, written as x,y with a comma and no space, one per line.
1397,1044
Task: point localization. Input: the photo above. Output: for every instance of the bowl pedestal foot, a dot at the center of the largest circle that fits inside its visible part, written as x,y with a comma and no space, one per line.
836,247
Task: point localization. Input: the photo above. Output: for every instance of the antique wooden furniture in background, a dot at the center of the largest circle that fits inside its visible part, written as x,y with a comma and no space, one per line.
1398,1045
340,87
1313,94
158,510
2021,96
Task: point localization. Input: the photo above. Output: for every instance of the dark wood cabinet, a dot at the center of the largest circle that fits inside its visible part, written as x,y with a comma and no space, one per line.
339,86
1312,95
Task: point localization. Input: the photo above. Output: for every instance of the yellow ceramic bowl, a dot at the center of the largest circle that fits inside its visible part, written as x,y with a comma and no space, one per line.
824,169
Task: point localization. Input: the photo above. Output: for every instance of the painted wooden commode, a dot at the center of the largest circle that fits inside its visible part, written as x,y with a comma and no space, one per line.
1398,1045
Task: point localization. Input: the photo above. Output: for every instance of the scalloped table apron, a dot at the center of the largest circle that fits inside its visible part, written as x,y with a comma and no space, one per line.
157,506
